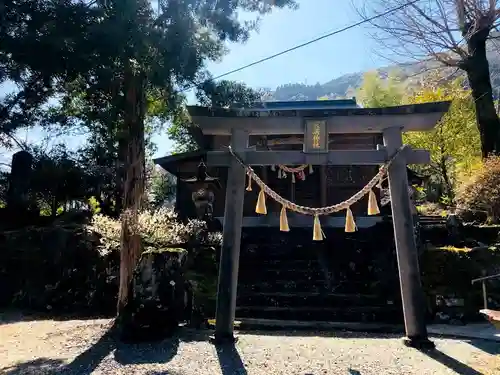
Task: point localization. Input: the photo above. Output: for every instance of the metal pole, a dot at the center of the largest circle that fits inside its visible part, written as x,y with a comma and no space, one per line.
485,296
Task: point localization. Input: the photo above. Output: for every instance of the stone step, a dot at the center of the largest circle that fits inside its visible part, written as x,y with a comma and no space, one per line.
317,285
267,254
381,314
292,253
276,249
287,286
285,280
279,263
315,299
281,277
271,274
311,325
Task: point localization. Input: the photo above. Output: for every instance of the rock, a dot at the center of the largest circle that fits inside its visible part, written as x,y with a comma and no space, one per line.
481,247
157,296
454,227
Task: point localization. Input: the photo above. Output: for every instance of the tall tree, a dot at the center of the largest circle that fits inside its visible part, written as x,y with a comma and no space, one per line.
161,187
42,45
454,143
210,94
117,65
154,55
375,92
453,33
57,179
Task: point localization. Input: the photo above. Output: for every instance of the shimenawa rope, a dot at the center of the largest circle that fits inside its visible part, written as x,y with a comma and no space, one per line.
321,210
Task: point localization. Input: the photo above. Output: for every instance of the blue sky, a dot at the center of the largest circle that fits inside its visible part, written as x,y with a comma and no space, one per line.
347,52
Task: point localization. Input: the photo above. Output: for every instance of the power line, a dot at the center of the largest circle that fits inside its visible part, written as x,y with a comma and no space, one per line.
304,44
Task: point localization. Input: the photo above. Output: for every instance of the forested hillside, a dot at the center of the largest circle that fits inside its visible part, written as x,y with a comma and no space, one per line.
409,75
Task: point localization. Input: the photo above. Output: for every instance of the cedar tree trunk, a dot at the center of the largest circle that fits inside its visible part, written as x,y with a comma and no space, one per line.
133,188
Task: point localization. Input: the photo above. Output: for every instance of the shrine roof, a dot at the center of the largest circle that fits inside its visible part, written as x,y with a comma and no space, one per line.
171,163
323,108
300,105
342,116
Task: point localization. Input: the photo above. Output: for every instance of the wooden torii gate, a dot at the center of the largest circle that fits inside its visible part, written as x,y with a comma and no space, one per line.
315,125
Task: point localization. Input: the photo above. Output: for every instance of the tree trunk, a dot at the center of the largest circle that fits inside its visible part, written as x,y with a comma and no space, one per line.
444,167
446,178
120,172
53,208
478,73
133,189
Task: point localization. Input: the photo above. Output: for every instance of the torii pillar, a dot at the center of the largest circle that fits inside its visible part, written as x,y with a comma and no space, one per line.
406,249
231,239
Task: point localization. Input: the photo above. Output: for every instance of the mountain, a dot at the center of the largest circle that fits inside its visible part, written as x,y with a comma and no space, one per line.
409,75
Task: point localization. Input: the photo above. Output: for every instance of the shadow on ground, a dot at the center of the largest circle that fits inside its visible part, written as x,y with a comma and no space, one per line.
450,362
37,366
124,354
161,351
345,334
230,360
350,371
14,316
490,347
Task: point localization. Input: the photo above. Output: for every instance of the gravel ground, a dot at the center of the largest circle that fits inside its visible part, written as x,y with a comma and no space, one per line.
82,347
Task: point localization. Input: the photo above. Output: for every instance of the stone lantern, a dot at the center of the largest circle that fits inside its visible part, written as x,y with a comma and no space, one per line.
202,187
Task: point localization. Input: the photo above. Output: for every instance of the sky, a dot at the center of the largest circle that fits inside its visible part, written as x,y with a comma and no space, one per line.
348,52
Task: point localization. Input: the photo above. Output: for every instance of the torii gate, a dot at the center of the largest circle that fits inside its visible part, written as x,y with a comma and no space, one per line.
315,125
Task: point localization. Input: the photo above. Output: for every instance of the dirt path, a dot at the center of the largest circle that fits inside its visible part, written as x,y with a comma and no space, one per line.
82,347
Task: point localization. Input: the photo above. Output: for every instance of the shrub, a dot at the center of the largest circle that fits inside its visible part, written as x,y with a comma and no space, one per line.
432,209
479,196
158,229
448,271
75,268
57,268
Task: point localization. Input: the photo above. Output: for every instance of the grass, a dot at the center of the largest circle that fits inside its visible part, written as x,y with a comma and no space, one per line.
432,209
211,323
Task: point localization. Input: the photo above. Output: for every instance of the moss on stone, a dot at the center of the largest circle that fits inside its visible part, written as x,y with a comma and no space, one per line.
449,248
448,271
164,250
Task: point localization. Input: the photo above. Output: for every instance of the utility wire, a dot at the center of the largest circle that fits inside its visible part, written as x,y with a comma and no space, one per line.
303,44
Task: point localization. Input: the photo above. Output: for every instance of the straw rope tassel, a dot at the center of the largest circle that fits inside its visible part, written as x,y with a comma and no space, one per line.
372,204
273,168
280,174
350,225
311,170
293,178
249,186
317,231
261,204
284,220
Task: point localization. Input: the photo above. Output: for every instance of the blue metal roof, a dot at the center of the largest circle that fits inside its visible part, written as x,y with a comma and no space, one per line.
302,105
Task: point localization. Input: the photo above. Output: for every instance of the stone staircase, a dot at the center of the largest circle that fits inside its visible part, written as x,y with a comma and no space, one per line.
282,277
